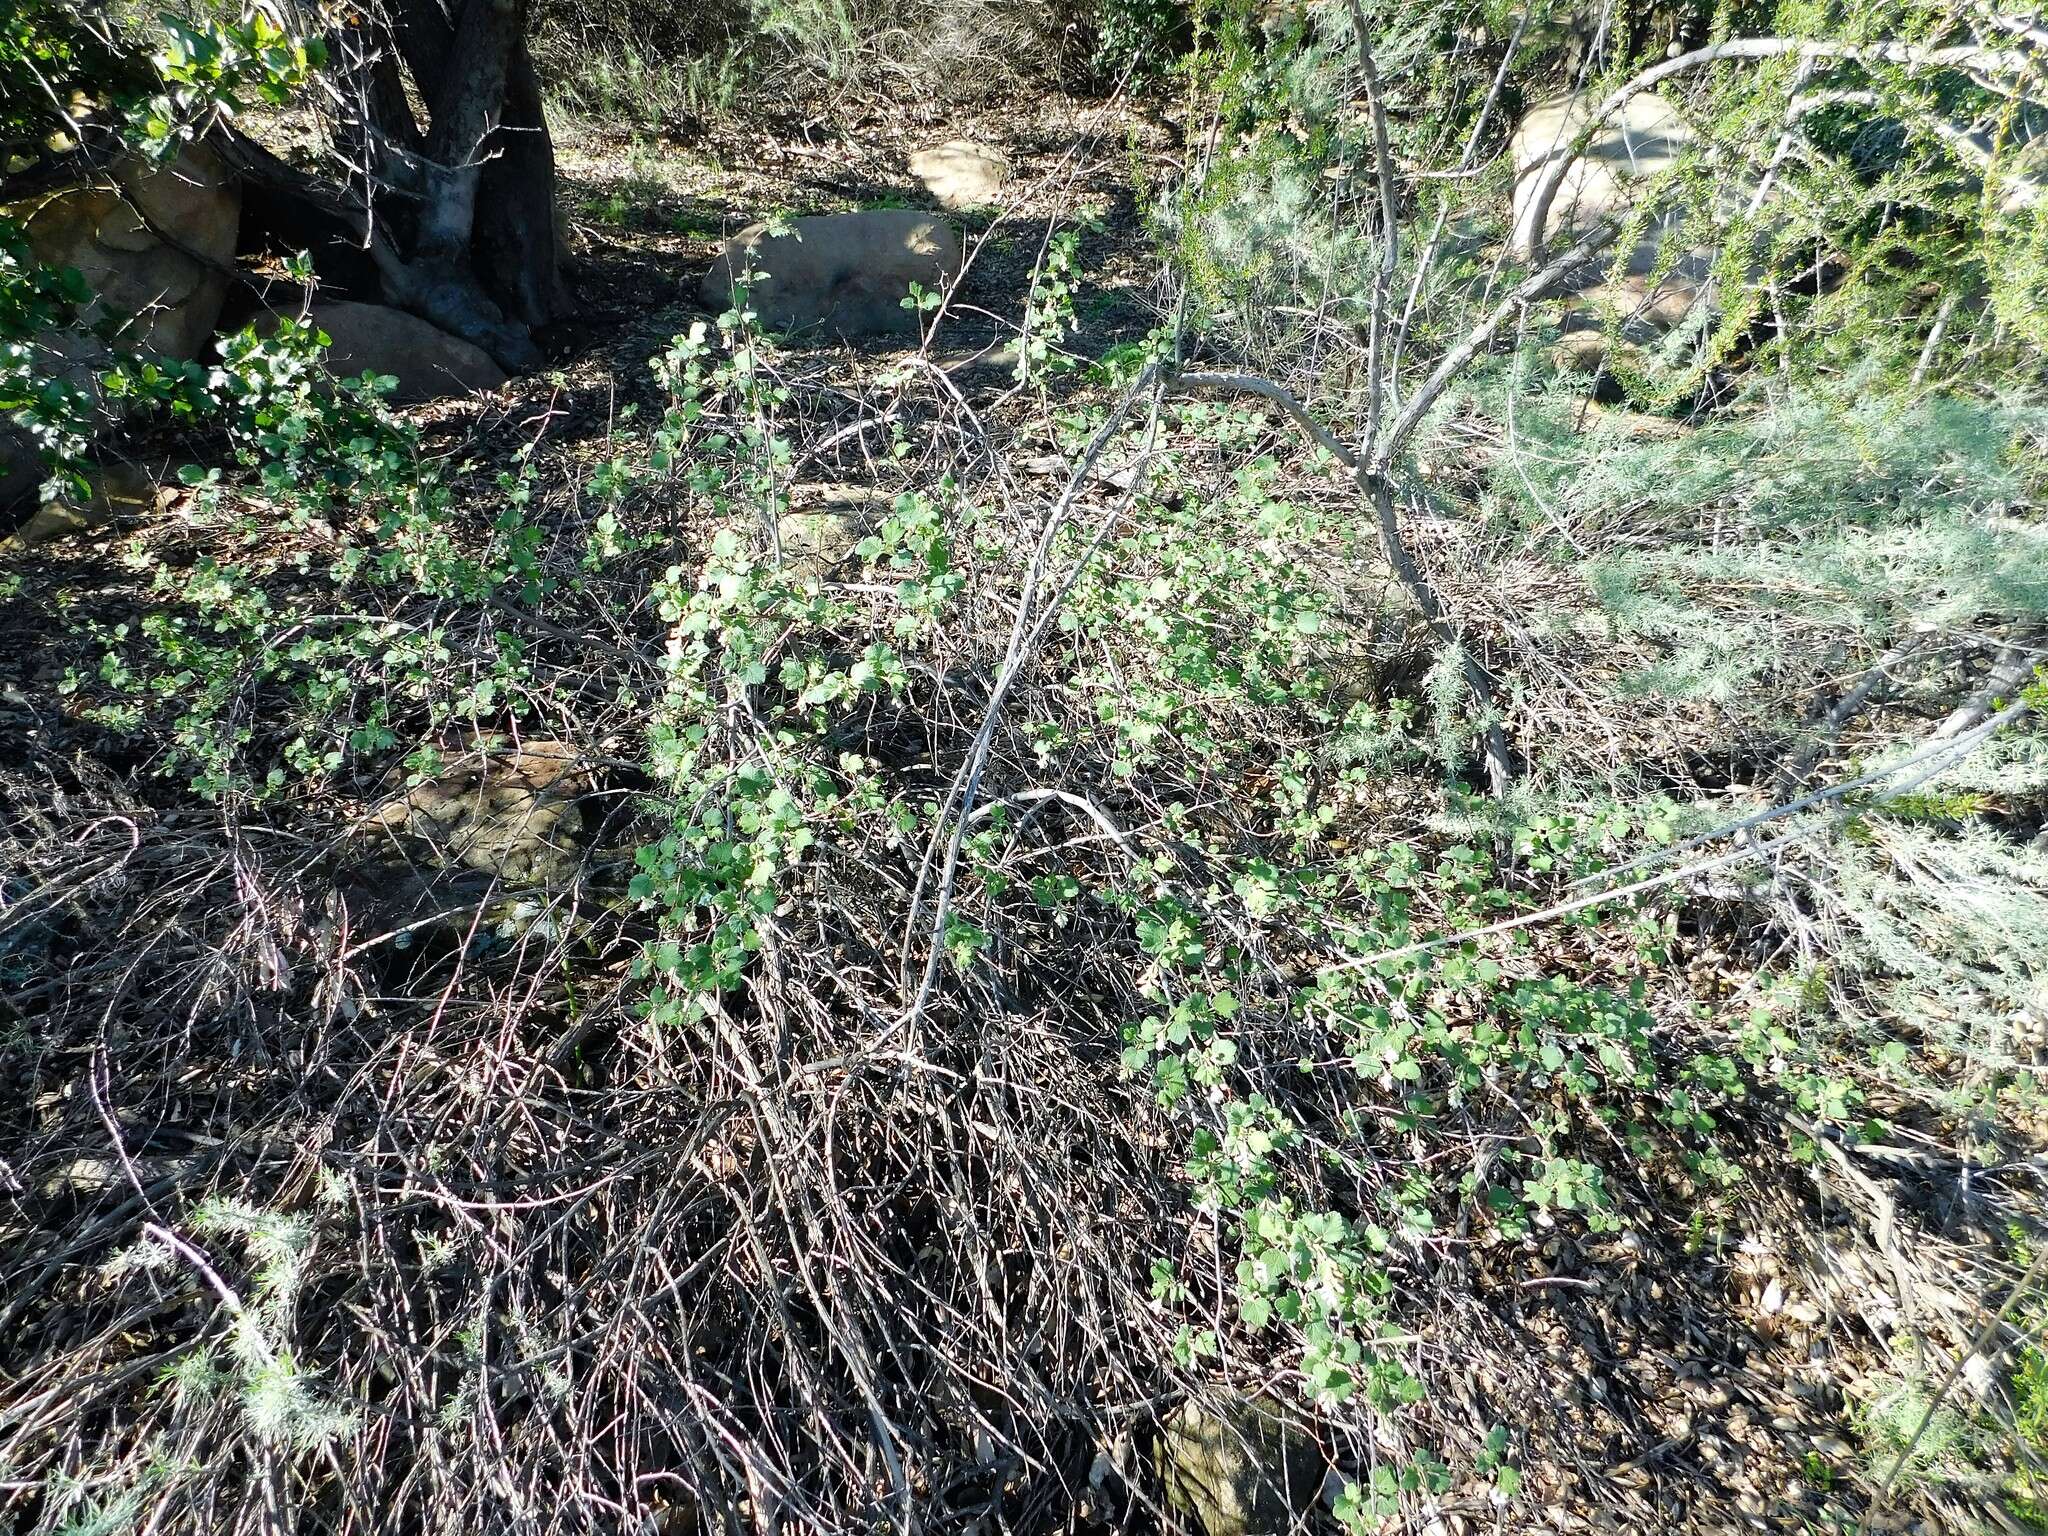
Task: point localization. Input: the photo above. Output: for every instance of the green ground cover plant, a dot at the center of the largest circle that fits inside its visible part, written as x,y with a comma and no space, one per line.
1319,859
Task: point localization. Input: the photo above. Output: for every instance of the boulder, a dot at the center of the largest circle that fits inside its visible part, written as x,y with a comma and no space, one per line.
428,363
153,242
1643,139
112,490
845,272
1243,1470
821,533
511,812
961,173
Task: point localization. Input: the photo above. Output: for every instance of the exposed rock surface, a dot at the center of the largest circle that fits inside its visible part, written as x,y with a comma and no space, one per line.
845,272
1642,140
961,173
1245,1471
510,812
821,533
428,363
153,242
112,491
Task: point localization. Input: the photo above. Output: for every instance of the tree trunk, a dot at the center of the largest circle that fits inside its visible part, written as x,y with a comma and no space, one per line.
457,215
518,250
463,106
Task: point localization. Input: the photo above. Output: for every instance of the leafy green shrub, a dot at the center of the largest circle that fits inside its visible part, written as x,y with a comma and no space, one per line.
1847,519
1095,864
331,676
66,363
50,49
1138,38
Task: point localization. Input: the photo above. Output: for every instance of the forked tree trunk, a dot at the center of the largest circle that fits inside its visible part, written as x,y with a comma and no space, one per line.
457,214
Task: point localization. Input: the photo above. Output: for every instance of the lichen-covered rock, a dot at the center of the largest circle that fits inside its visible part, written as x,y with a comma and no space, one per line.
511,812
818,543
1244,1470
821,533
154,243
961,173
843,272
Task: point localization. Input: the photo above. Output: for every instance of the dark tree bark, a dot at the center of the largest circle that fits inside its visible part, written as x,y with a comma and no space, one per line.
456,213
517,246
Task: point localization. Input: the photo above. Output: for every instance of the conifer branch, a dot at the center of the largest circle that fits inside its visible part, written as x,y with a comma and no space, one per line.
2009,72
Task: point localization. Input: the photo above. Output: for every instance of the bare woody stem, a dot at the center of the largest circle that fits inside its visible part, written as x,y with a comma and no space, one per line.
1377,381
1372,472
1378,488
1459,358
